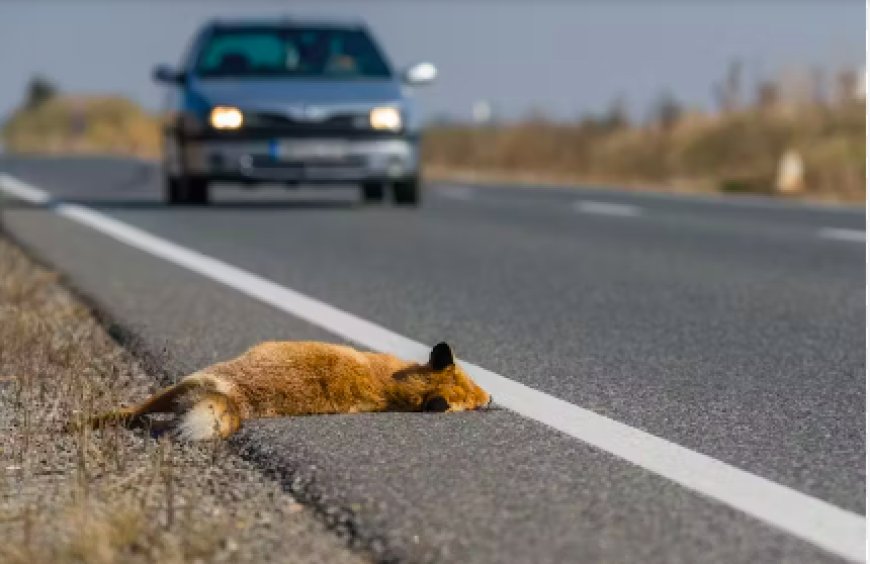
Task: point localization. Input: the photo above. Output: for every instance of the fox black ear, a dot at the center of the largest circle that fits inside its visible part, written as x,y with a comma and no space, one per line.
441,356
436,403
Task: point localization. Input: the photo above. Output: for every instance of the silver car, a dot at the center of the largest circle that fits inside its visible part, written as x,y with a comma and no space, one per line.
291,102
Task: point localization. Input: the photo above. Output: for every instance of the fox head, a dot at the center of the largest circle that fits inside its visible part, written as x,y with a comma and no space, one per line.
442,385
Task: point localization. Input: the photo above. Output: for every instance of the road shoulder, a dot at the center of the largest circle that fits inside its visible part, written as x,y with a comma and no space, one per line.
118,495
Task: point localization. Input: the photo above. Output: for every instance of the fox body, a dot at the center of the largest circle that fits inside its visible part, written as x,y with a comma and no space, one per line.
305,378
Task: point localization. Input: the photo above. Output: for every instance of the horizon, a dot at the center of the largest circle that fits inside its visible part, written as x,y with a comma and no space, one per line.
544,59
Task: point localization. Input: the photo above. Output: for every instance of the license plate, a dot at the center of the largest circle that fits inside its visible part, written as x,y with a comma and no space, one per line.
315,150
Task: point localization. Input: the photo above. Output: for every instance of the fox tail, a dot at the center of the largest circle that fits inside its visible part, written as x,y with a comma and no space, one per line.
204,413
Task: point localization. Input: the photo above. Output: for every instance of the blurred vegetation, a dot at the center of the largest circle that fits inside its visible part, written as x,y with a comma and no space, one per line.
737,148
54,123
39,91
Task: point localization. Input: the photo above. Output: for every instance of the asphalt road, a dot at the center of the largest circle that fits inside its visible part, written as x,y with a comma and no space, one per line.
733,328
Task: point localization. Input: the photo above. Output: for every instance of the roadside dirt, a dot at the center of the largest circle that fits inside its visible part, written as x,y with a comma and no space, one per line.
117,495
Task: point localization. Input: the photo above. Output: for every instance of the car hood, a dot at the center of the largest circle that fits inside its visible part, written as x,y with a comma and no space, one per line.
271,93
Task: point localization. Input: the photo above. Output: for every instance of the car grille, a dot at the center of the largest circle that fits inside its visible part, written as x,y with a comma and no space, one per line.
277,122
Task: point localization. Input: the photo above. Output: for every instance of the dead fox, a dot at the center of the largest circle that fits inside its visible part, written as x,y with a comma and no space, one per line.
304,378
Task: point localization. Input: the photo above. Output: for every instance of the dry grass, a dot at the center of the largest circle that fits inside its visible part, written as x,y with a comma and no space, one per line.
108,125
114,495
703,153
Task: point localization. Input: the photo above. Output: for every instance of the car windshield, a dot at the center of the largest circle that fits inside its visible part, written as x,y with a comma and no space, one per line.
303,52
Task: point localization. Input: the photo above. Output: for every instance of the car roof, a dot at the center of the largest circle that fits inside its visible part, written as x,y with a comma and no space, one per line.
290,22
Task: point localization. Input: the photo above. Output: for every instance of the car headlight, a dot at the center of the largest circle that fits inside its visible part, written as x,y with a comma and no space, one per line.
226,117
386,118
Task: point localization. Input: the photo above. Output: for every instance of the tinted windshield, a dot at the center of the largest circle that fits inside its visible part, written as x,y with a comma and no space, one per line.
309,52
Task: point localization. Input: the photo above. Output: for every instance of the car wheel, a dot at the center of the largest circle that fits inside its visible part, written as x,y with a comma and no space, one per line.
186,190
407,192
172,190
372,192
197,190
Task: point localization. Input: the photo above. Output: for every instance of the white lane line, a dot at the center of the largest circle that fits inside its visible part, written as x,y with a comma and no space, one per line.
819,522
606,208
840,234
22,191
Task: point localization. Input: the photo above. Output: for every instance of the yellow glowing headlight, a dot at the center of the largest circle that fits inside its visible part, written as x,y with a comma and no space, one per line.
225,117
386,118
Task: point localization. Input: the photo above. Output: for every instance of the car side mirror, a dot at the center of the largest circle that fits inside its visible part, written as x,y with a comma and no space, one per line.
168,75
419,74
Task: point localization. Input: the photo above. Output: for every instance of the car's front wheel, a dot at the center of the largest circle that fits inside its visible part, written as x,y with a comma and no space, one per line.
186,190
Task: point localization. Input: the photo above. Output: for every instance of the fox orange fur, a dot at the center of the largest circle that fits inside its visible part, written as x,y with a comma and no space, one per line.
305,378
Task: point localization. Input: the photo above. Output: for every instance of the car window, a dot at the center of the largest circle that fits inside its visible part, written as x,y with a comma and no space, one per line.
326,53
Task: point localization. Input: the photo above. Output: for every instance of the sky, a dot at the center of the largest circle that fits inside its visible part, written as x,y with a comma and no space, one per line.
559,58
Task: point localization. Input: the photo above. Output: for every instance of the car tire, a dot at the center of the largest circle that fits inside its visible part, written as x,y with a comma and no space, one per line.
172,190
186,190
407,192
372,192
197,190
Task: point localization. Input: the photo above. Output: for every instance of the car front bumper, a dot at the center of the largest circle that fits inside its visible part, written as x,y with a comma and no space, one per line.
263,160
